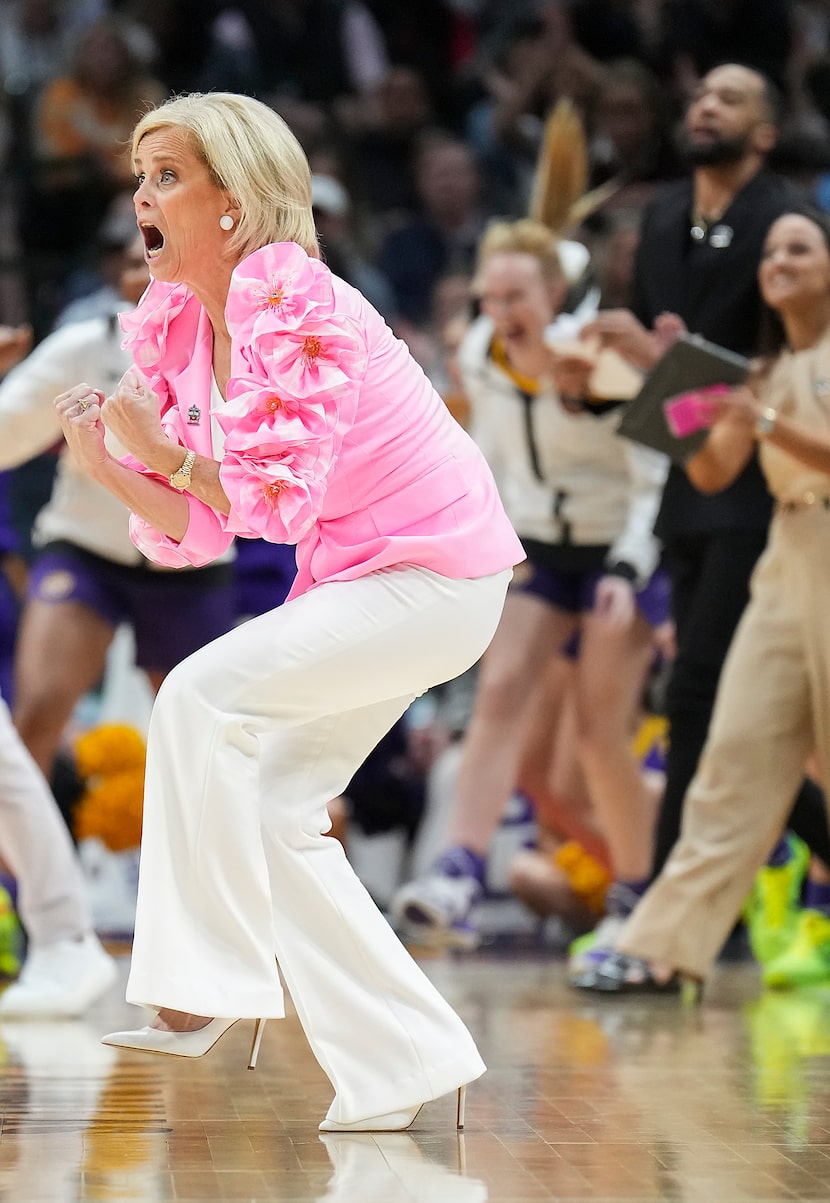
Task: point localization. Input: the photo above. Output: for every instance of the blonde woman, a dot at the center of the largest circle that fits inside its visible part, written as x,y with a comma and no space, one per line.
583,501
271,400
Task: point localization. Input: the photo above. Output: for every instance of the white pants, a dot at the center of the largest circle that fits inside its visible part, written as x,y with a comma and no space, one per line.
36,846
249,740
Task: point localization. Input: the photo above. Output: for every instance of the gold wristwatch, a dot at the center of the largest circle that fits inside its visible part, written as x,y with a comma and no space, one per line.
181,479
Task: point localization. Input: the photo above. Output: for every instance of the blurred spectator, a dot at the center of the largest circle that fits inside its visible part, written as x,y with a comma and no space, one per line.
435,342
542,63
12,587
96,286
507,145
701,34
382,152
422,37
583,501
66,968
332,215
630,128
614,245
444,236
180,33
87,577
37,38
610,29
80,133
301,56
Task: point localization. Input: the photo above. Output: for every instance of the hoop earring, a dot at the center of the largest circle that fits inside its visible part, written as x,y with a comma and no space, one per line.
226,221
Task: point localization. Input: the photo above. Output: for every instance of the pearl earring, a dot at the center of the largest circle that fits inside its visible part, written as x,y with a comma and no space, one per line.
226,221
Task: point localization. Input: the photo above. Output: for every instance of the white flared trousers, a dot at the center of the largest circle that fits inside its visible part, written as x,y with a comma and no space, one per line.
250,738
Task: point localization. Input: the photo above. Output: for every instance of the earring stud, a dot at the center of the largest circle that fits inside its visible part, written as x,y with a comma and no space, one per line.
226,221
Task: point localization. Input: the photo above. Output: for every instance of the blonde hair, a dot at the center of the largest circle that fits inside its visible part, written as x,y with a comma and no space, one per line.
252,154
523,237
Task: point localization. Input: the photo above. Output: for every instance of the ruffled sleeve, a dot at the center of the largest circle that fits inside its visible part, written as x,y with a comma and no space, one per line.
203,542
297,364
147,330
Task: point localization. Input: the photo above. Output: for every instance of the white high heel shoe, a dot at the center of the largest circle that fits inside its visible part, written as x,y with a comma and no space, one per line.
393,1121
183,1044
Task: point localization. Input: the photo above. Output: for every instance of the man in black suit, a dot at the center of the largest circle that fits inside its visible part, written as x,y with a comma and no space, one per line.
700,245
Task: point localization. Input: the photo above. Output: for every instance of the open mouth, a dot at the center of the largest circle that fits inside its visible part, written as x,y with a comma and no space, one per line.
153,240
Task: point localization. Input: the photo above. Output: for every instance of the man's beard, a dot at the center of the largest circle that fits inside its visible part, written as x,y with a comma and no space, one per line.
720,152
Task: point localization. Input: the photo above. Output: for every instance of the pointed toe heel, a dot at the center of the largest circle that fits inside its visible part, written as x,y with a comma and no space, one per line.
182,1044
393,1121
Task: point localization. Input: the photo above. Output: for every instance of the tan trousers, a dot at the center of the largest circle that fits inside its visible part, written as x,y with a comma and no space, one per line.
772,710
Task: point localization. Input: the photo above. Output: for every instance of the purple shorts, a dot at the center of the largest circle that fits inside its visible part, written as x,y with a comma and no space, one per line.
566,578
172,613
264,573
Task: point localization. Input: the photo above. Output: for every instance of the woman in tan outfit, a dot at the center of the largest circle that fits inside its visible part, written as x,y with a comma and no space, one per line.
773,703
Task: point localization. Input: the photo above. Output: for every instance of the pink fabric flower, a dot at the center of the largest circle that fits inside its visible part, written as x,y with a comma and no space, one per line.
279,499
265,420
324,355
278,282
147,326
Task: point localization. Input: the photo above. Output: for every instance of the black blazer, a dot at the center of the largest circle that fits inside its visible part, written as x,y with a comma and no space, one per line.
714,289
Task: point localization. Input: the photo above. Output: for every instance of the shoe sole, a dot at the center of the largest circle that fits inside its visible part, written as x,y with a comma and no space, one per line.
428,929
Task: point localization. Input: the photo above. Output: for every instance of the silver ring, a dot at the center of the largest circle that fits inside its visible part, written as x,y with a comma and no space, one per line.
84,404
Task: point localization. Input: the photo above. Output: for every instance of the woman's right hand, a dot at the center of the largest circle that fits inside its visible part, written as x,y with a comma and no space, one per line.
620,330
79,413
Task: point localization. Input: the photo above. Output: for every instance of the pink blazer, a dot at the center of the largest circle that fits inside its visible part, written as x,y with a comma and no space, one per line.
334,438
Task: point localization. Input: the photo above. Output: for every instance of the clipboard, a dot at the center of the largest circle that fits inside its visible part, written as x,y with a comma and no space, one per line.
691,362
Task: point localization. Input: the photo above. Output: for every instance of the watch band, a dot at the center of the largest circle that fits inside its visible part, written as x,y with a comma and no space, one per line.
766,422
181,478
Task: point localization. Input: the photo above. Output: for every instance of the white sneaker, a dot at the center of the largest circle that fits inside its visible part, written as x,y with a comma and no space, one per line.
436,910
60,979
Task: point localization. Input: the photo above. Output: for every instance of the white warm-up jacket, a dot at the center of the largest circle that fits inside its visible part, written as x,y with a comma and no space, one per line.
564,477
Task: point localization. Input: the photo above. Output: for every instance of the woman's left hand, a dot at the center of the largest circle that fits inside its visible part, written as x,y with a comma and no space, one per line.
615,602
133,414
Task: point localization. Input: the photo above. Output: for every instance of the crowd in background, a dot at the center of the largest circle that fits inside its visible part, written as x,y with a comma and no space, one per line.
422,123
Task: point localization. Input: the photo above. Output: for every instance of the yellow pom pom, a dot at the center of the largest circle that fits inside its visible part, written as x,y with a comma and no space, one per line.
110,748
111,810
111,759
588,879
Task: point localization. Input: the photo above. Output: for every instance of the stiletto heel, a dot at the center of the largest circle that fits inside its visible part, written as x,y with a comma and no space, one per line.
259,1028
460,1108
182,1044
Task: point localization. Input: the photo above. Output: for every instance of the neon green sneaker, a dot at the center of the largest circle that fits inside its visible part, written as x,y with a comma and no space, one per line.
772,910
787,1030
807,961
11,937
